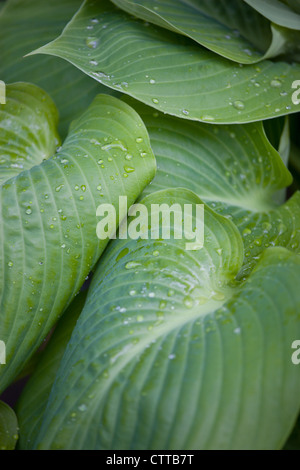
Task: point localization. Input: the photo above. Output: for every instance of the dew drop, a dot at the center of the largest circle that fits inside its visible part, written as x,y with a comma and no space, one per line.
275,83
218,296
188,301
239,105
132,265
28,211
92,42
155,100
282,228
82,407
207,118
58,188
129,169
246,232
10,264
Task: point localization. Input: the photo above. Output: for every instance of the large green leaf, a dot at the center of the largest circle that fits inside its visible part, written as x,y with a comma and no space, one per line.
48,221
232,29
169,72
170,353
27,24
8,427
234,169
277,11
33,401
28,132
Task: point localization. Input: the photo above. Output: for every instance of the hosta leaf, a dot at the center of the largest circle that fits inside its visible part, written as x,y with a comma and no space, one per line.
276,11
25,25
169,72
277,227
278,132
28,133
169,353
234,169
48,221
8,427
34,397
232,29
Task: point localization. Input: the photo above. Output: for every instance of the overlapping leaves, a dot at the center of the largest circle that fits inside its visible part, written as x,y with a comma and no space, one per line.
48,221
173,349
139,59
234,169
161,330
25,25
28,132
231,29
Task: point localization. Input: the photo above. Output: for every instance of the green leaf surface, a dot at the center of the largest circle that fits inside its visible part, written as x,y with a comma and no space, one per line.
8,427
170,353
278,133
34,397
28,132
169,72
48,221
234,169
277,11
26,25
232,29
